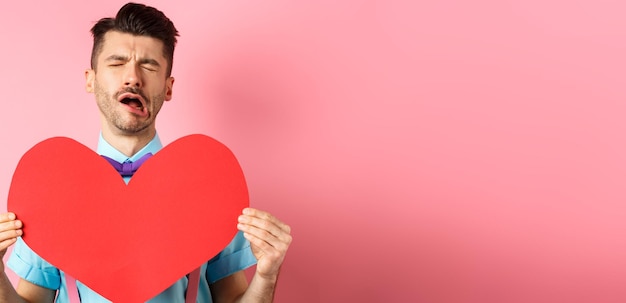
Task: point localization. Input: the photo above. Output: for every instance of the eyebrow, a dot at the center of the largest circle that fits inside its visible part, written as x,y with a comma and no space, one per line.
125,58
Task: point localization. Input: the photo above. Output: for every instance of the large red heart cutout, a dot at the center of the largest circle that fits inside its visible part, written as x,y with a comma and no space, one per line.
128,242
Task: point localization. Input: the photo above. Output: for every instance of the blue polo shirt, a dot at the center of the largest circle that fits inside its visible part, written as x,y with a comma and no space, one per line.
235,257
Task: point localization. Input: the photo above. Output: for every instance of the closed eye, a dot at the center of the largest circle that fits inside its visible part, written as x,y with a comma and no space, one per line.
149,68
149,64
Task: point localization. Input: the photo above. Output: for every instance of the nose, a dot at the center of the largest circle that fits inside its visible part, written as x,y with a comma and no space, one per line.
132,76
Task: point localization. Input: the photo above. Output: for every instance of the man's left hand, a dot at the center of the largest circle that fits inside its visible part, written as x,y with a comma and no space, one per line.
269,238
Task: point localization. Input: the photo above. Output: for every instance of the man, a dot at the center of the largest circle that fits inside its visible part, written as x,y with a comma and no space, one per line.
130,76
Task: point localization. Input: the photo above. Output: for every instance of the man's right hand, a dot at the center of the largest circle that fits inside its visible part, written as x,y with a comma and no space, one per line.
10,229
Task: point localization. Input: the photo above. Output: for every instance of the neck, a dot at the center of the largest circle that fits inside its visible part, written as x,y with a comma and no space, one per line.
129,144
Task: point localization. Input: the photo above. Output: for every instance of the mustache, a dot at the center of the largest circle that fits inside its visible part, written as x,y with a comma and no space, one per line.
132,90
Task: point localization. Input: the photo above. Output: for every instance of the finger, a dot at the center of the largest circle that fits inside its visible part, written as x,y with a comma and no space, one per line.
5,217
6,243
269,252
253,212
10,225
10,234
261,244
264,228
275,251
262,237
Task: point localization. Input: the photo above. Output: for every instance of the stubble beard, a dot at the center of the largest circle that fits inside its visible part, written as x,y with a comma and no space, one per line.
124,122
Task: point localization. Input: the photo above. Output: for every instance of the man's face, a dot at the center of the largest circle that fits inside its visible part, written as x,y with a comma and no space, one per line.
130,82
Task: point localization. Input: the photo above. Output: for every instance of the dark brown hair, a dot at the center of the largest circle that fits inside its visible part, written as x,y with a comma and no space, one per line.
140,20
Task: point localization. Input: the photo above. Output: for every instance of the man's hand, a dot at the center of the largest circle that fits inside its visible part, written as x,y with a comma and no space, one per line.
269,239
10,229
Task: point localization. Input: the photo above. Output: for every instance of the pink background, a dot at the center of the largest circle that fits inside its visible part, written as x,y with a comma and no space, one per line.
432,151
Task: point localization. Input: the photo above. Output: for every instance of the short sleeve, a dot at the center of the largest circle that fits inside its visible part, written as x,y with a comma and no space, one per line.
31,267
235,257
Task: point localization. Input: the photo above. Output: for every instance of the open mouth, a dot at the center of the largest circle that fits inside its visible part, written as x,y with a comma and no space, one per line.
134,102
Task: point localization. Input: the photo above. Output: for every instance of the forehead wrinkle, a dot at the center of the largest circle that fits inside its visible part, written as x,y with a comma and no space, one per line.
149,61
127,47
116,57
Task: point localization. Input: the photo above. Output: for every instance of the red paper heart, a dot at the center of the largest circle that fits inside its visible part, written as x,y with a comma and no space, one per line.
128,243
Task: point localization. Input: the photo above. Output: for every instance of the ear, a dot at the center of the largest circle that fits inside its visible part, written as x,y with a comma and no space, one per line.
90,77
169,84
